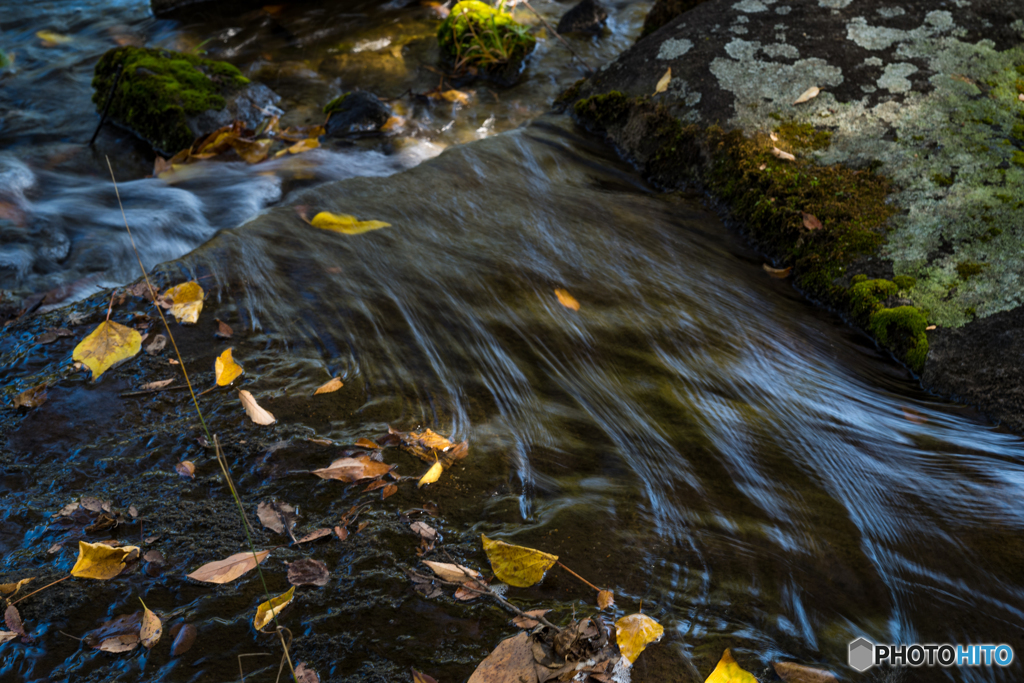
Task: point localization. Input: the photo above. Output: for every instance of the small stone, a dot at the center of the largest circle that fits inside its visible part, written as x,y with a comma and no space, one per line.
356,112
586,17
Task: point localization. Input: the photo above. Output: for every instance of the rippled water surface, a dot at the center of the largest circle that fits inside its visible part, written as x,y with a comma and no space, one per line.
696,436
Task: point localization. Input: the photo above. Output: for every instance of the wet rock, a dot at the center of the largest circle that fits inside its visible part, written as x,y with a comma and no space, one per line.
665,11
586,17
501,58
170,98
355,112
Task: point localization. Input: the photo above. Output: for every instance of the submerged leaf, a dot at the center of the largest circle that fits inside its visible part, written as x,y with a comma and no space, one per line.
186,301
605,599
308,572
106,346
345,224
52,39
120,643
253,410
635,632
225,369
266,612
31,398
567,299
517,565
353,469
224,330
184,639
791,672
229,568
728,671
329,387
366,443
153,386
100,561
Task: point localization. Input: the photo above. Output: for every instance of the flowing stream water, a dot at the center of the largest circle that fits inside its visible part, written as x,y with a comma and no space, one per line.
696,436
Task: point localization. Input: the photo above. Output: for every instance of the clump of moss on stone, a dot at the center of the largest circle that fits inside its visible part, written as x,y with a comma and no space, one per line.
604,110
1018,159
902,329
968,269
335,104
159,89
866,296
476,35
942,180
904,282
569,95
803,136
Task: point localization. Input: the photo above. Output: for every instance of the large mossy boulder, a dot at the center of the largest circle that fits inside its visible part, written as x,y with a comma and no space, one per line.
476,36
170,98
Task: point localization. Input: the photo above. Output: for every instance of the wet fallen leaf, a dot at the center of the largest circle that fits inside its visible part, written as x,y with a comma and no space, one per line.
13,620
517,565
389,490
266,612
785,156
11,589
31,398
308,572
186,301
123,625
567,299
152,629
912,415
471,590
430,439
526,622
432,475
186,468
157,345
373,486
303,674
728,671
663,82
53,334
183,640
811,222
341,532
99,561
511,661
150,386
225,369
313,535
424,531
792,672
454,96
453,572
345,224
418,677
303,146
635,632
330,387
777,272
277,516
229,568
123,643
251,151
808,94
224,330
605,599
393,124
366,443
353,469
106,346
7,635
253,410
51,39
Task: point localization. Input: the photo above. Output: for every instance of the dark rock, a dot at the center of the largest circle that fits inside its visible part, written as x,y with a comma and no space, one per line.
665,11
586,17
355,112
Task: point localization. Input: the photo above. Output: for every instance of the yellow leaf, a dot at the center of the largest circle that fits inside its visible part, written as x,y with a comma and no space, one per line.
329,387
516,565
106,346
50,38
254,411
345,224
251,151
454,96
226,369
418,677
567,300
100,561
186,301
663,83
13,588
267,610
432,475
728,671
229,568
151,628
635,632
304,145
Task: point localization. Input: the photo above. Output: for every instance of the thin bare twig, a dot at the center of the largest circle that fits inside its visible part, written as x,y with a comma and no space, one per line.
65,578
490,594
577,576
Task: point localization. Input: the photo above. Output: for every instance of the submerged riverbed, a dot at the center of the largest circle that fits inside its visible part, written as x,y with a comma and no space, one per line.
696,437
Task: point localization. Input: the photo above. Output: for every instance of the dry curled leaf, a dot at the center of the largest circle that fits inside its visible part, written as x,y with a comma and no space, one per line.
183,640
106,346
229,568
517,565
663,82
254,411
11,589
777,272
353,469
225,369
453,572
31,398
152,386
186,301
811,222
308,572
152,629
728,671
7,635
635,632
567,299
329,387
808,94
930,328
791,672
345,224
266,611
785,156
100,561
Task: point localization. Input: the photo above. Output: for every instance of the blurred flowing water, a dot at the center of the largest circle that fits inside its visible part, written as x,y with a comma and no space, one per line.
696,436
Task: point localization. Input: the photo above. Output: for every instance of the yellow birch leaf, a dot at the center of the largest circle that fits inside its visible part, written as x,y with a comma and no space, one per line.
106,346
267,610
329,387
50,38
226,369
663,83
516,565
100,561
151,628
13,588
635,632
432,475
304,145
567,299
728,671
230,568
186,301
345,224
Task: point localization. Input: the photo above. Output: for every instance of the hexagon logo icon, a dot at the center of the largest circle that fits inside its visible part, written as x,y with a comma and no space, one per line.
862,654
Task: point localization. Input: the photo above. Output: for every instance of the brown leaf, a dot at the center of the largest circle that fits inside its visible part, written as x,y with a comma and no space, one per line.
186,469
254,411
330,387
912,415
312,536
224,330
792,672
423,530
150,386
366,443
53,334
13,620
526,622
389,490
341,532
125,624
157,345
778,273
308,572
418,677
453,572
471,590
811,222
785,156
512,660
229,568
303,674
183,639
353,469
605,599
808,94
31,398
276,516
373,486
567,299
120,643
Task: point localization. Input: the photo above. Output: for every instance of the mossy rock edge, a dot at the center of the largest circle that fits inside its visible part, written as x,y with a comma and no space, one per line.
478,36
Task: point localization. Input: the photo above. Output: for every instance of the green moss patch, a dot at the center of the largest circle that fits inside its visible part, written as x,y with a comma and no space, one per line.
476,36
159,89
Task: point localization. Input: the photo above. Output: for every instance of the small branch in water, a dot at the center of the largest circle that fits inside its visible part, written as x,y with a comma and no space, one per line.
557,35
110,98
577,576
41,589
129,394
